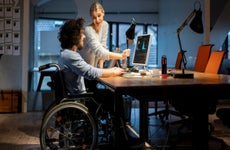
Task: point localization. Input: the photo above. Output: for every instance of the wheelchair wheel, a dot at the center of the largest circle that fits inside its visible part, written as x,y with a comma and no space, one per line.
68,125
47,110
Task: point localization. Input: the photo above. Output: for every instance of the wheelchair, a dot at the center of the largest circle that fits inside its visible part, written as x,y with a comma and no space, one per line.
69,123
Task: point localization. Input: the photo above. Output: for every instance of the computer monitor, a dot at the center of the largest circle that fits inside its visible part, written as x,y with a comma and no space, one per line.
142,50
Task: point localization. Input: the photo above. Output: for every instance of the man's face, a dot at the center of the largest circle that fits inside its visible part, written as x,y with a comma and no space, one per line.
81,42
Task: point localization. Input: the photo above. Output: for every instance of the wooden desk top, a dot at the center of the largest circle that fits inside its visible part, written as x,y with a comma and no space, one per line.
148,81
216,84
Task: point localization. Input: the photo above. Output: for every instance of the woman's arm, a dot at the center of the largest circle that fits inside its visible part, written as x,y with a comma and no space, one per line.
123,55
95,44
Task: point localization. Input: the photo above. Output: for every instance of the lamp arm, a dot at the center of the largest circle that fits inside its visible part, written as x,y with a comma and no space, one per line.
178,36
193,13
184,61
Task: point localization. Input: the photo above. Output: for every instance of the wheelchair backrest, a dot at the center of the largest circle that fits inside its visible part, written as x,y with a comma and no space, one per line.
57,83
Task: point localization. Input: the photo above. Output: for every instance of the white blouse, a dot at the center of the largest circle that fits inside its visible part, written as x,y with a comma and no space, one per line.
95,44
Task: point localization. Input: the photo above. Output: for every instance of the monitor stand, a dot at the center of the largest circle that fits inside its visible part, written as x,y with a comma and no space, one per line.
133,69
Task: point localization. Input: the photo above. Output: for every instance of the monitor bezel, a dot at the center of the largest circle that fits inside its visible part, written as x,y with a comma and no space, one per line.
148,50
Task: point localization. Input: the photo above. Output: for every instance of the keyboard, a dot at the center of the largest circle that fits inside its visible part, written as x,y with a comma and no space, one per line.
131,75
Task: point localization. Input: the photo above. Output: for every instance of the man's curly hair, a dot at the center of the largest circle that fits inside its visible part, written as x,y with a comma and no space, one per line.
70,33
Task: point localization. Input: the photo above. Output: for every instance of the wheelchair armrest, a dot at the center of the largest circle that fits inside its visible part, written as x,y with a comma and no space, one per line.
88,94
49,65
74,97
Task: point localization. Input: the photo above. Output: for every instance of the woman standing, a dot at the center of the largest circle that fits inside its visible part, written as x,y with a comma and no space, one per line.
95,53
96,36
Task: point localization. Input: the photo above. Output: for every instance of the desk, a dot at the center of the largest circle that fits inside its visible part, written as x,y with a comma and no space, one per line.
186,91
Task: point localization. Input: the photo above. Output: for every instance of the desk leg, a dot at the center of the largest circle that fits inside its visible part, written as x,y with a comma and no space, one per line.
118,124
118,105
200,126
143,120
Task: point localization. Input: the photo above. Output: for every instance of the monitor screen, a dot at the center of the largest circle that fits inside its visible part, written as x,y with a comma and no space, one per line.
142,49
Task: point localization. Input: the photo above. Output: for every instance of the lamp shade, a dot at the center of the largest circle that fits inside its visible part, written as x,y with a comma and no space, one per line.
130,32
197,25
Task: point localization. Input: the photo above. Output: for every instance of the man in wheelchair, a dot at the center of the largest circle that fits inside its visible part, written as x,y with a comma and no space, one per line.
75,70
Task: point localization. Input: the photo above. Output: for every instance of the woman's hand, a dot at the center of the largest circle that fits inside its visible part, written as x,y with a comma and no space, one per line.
126,53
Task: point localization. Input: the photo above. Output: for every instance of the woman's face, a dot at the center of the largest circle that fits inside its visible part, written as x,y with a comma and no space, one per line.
97,18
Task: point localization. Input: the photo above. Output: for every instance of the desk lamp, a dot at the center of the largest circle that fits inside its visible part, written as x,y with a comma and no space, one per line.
197,26
129,37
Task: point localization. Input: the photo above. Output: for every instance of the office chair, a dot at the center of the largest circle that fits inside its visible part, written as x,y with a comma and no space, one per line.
213,66
202,57
178,60
215,62
200,64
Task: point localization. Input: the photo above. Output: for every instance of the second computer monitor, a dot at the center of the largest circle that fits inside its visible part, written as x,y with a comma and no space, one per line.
142,50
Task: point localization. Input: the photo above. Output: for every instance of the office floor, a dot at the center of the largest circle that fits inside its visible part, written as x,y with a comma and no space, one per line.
166,137
21,131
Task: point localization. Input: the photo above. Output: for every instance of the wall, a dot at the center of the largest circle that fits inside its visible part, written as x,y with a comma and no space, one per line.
221,27
15,69
11,73
9,59
11,67
172,15
144,11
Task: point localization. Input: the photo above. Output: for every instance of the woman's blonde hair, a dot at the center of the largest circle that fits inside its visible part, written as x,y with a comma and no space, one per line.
95,7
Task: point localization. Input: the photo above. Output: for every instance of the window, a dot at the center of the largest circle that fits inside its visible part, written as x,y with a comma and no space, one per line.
47,46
